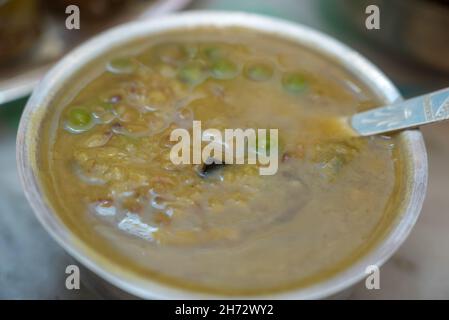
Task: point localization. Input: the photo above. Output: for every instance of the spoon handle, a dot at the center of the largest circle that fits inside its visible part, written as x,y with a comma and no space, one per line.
425,109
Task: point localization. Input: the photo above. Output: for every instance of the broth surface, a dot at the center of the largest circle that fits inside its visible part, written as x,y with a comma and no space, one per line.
106,169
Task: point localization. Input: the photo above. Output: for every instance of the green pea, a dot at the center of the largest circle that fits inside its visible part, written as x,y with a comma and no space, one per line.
121,66
259,71
79,120
224,69
294,82
192,73
80,117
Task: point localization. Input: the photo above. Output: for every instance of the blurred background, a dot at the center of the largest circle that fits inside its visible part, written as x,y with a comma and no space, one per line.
411,47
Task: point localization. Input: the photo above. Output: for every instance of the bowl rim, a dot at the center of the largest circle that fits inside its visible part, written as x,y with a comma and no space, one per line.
368,73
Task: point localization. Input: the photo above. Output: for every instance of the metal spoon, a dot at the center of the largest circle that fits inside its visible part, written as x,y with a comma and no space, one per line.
411,113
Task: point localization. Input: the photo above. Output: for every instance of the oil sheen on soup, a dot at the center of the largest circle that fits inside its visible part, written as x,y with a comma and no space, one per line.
105,164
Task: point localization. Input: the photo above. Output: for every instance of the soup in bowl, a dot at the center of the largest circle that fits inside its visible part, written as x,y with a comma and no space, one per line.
96,157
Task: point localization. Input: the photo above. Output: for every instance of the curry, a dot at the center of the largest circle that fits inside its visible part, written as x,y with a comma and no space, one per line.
106,169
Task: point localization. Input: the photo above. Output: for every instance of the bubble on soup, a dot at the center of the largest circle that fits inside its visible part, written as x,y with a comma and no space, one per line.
123,65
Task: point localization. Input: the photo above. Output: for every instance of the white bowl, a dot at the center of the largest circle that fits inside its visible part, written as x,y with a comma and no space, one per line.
57,78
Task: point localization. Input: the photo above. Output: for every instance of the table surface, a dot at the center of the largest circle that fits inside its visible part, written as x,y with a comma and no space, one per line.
32,265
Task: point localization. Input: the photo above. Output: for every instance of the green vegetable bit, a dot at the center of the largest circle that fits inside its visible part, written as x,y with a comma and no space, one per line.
121,66
259,71
79,120
224,69
192,73
294,83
